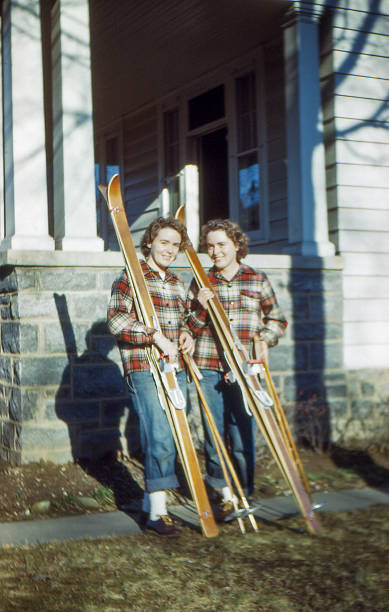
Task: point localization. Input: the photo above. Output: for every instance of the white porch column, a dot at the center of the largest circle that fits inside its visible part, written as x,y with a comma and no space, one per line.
307,202
25,215
2,210
74,182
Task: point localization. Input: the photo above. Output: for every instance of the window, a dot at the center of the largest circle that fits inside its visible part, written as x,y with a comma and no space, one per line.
172,145
112,165
110,155
215,128
172,175
248,168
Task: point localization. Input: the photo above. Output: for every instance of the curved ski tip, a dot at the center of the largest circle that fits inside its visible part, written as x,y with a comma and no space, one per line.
115,179
180,214
114,189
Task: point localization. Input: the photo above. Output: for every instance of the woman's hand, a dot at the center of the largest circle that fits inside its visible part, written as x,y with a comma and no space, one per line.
186,343
166,346
204,295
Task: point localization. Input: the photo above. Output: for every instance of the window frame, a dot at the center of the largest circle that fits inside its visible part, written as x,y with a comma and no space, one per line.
255,66
227,76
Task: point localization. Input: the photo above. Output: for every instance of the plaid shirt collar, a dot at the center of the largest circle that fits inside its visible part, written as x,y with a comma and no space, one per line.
243,269
149,272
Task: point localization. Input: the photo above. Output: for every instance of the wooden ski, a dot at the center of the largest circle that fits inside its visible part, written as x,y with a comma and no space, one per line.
169,393
256,399
280,416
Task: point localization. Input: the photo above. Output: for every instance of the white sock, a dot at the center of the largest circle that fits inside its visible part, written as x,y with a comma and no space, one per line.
227,495
157,505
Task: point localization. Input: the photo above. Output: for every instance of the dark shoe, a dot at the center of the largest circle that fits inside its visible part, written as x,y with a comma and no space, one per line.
223,510
164,526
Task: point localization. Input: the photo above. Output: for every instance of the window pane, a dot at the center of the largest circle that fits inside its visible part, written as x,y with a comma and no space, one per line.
249,195
171,139
206,108
112,158
112,166
173,186
172,157
246,112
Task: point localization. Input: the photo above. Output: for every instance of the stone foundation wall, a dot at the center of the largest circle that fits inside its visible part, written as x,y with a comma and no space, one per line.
62,391
367,415
62,394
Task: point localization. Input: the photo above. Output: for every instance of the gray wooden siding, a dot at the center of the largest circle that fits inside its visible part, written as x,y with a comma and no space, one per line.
355,78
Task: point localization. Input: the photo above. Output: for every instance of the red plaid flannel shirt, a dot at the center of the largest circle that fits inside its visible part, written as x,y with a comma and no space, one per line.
251,307
132,335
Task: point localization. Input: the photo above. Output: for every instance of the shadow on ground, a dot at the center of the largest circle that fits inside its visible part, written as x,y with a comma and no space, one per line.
362,463
115,475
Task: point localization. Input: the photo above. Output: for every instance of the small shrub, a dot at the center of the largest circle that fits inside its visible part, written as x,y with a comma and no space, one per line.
312,423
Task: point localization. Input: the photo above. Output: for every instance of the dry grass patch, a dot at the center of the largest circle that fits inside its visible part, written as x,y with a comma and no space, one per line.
275,570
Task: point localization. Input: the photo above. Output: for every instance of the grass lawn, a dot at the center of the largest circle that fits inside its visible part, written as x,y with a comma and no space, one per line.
345,569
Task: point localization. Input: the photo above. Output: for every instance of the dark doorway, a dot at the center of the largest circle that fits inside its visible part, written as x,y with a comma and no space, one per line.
213,162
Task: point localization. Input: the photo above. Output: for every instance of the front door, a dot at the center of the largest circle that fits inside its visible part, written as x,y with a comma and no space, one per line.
213,175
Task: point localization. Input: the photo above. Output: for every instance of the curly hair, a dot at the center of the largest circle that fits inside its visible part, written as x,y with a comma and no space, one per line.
232,230
158,224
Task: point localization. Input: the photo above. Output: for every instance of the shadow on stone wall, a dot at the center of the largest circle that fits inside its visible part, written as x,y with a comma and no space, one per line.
312,356
92,401
319,389
91,398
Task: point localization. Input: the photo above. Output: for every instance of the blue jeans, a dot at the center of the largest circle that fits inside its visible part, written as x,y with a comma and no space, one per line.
156,438
236,427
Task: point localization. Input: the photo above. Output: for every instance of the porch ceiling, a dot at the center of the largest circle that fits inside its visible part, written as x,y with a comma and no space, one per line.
157,45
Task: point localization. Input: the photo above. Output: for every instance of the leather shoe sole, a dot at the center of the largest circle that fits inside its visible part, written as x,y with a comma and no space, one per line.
164,527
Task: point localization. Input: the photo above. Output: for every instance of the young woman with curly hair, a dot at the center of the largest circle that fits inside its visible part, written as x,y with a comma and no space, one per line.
252,309
162,241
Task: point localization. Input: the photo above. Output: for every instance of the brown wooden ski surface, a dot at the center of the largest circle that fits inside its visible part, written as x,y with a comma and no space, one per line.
168,391
251,389
281,418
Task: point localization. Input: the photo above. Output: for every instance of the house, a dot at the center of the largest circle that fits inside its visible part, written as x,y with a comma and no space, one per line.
274,113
